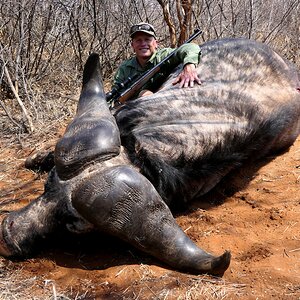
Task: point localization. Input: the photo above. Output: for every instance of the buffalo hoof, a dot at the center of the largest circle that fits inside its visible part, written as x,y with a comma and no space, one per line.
42,161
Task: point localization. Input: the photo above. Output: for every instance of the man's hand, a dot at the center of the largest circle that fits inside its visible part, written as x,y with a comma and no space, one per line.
187,77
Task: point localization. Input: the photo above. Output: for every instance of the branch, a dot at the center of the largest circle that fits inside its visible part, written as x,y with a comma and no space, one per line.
168,20
23,108
9,115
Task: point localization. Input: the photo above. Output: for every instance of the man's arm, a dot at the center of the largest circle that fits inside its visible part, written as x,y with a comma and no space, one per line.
189,56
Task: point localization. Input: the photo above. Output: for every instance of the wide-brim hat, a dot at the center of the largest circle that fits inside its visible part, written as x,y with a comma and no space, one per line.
142,27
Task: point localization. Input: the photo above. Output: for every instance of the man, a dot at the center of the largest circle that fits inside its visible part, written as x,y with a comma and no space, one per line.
144,44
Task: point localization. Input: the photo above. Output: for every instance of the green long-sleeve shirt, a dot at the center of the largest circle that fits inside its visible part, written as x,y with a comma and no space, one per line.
186,54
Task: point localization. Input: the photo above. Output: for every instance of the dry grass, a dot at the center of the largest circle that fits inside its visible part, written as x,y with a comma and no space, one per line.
179,286
213,289
15,285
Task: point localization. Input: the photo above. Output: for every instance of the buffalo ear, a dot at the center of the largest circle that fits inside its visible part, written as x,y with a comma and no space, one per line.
93,134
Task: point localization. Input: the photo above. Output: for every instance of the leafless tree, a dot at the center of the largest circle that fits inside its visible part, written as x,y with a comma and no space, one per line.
44,44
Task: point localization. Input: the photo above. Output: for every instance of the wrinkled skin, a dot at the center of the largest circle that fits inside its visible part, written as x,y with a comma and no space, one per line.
121,173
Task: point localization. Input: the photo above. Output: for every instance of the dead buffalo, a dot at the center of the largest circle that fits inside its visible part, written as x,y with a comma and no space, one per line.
120,173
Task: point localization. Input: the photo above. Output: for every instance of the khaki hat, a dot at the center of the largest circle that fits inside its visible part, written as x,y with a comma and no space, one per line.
142,27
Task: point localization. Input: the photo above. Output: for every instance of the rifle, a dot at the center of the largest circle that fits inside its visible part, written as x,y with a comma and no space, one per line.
122,92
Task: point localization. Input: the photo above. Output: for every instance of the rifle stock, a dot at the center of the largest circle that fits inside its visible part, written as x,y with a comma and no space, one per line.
141,81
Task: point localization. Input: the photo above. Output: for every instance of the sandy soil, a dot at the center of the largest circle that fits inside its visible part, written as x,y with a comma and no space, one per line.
254,213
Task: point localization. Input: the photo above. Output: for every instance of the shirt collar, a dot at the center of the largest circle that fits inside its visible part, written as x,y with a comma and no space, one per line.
151,60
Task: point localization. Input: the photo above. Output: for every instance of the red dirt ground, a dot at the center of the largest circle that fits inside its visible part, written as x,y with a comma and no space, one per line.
257,218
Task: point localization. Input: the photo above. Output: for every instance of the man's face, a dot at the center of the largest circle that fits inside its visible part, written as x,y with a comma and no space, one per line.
144,45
